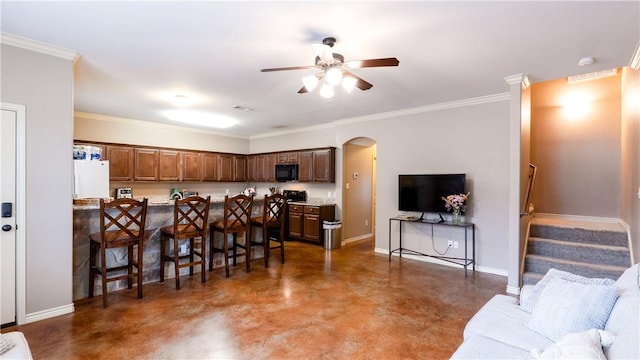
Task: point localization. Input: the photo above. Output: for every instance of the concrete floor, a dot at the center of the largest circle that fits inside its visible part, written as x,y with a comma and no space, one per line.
345,303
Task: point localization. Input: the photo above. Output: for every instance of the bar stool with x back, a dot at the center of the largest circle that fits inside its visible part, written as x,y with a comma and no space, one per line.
272,224
236,220
122,224
190,220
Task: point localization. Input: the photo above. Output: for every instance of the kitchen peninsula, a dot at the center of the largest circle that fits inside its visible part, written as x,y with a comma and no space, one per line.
86,220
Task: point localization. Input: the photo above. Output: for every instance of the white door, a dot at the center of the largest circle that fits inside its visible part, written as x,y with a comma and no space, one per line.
8,218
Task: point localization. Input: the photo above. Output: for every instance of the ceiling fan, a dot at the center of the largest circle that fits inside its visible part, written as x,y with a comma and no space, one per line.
334,70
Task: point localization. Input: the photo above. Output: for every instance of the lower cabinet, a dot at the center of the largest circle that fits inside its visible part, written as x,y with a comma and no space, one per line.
305,221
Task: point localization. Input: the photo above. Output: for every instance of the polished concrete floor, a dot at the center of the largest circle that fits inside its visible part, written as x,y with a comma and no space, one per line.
345,303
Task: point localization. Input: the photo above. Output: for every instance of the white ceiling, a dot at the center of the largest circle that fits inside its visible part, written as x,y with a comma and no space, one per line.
135,55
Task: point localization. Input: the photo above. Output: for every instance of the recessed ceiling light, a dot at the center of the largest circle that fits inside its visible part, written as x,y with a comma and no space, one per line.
242,108
587,60
181,100
200,118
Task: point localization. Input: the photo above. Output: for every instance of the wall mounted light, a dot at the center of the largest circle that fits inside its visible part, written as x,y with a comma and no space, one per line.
576,105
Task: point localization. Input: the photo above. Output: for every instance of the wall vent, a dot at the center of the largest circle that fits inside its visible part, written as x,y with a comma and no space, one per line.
592,76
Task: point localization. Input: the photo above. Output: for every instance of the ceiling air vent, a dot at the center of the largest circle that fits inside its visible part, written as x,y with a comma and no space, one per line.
592,76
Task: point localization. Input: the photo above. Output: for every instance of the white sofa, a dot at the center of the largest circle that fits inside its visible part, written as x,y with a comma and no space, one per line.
14,346
504,328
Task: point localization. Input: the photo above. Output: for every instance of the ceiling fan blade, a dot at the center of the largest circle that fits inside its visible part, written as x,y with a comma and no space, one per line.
372,63
303,90
361,83
288,68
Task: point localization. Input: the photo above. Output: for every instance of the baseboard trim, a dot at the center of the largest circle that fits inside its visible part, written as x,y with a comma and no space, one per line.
482,269
357,238
49,313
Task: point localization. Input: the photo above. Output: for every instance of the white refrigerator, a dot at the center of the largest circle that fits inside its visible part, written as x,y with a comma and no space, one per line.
91,179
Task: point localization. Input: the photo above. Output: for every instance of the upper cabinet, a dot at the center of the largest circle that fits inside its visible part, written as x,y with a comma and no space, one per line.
169,166
120,162
137,163
145,165
209,167
324,165
191,168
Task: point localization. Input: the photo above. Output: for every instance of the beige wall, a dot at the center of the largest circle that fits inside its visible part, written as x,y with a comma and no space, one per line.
578,159
44,84
357,199
630,159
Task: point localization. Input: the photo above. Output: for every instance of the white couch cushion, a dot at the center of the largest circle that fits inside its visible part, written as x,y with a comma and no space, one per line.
566,307
479,347
20,350
532,298
502,320
585,345
624,320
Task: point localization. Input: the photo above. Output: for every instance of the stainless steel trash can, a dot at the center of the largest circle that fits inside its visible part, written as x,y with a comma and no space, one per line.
332,234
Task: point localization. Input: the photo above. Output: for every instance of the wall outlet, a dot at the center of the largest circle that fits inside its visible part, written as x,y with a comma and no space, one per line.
183,249
366,223
450,243
455,244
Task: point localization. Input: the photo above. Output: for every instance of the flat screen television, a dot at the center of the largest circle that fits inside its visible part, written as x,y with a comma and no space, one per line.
424,193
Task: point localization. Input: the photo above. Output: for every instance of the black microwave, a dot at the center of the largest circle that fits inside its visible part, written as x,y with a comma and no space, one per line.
288,172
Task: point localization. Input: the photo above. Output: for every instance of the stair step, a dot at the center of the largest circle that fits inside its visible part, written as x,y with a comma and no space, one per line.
578,234
531,278
582,252
541,264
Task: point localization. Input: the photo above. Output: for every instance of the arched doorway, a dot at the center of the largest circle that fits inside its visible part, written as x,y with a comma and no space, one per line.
358,189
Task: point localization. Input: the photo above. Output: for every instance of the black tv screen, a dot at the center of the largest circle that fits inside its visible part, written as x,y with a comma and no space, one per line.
424,193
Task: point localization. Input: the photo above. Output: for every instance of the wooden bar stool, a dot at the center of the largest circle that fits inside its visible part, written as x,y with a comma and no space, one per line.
190,219
272,223
236,220
122,224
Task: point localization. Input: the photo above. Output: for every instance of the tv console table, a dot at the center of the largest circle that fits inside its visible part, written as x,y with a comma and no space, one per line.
465,262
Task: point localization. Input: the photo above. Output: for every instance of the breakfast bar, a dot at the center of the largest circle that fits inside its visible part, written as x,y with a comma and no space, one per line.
86,220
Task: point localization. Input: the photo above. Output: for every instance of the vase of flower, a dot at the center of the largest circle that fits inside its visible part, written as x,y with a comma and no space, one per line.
456,204
456,216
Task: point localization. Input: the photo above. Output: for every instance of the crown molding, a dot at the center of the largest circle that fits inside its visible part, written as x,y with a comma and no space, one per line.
635,59
391,114
40,47
121,120
516,79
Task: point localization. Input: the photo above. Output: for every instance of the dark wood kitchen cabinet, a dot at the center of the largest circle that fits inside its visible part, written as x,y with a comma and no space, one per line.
145,165
251,168
288,157
120,162
270,168
209,167
324,165
190,163
296,213
168,165
317,165
239,168
305,221
305,166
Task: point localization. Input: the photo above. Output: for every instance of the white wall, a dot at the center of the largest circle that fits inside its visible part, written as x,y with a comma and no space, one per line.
469,137
44,84
102,128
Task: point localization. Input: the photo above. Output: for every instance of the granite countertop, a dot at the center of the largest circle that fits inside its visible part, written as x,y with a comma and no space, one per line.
157,202
313,202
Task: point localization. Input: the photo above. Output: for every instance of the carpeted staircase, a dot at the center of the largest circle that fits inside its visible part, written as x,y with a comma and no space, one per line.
583,248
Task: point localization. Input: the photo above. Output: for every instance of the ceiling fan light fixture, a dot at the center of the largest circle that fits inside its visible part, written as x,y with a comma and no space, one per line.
334,76
326,91
310,82
348,83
